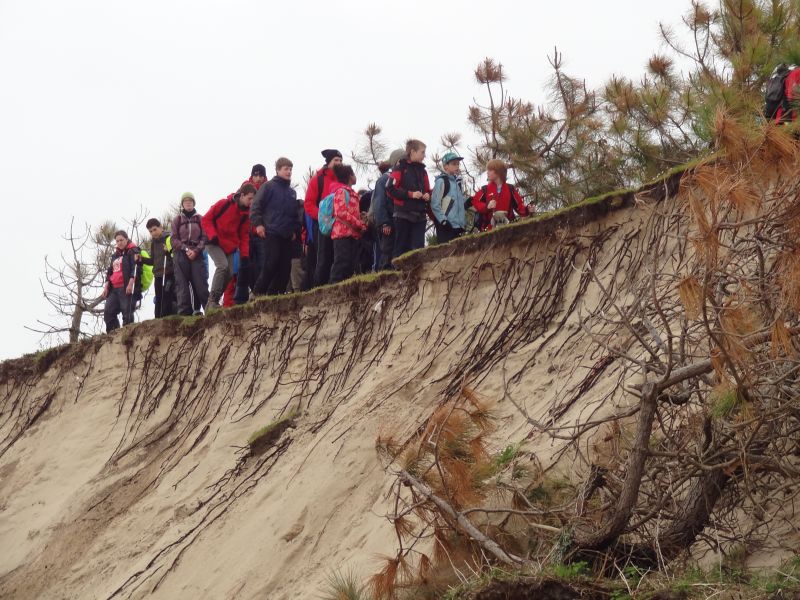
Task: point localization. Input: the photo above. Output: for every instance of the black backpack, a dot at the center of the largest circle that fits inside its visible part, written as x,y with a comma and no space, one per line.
775,92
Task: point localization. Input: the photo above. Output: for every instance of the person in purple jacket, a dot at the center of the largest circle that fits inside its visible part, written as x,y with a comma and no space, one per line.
188,241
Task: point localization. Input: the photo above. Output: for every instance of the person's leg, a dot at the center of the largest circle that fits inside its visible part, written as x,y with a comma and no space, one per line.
324,260
199,275
169,296
387,247
230,290
402,237
445,234
264,283
283,266
418,235
183,272
298,275
344,250
310,258
110,311
127,304
159,299
222,272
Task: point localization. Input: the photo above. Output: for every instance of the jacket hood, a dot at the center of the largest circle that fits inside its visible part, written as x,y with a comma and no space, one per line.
189,213
281,180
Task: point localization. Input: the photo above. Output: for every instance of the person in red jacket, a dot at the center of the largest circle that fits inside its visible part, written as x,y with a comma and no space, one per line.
319,255
348,226
238,289
227,227
498,202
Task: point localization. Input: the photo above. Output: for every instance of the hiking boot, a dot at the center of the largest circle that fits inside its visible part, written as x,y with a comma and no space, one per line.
212,305
197,313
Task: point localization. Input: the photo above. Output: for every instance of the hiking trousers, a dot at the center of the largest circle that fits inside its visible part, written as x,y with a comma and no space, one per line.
191,283
223,271
274,276
324,258
165,296
409,235
118,302
346,252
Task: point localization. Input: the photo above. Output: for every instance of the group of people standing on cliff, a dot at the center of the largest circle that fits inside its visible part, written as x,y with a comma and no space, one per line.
263,240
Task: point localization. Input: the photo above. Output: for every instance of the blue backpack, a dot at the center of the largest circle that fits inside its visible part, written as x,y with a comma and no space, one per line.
325,217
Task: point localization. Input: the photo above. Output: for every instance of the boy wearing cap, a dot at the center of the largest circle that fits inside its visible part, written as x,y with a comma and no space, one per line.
448,201
188,242
320,247
498,201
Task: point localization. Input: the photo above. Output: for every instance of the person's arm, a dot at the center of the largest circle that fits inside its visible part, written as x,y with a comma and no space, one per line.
177,244
518,204
478,201
342,212
202,238
393,188
208,222
310,201
426,195
244,239
256,208
436,200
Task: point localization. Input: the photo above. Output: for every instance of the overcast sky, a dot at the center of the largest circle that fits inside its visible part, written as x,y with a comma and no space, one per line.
106,106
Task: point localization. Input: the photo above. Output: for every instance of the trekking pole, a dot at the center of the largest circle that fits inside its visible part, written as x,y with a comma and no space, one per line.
130,298
163,283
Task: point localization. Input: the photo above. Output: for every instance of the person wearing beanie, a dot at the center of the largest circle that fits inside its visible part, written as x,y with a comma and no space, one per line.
381,210
448,203
319,254
498,202
227,227
347,226
410,190
188,243
238,289
275,220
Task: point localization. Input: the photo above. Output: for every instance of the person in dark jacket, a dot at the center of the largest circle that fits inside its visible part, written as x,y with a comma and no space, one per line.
227,227
188,243
320,251
163,272
276,221
382,209
123,287
410,190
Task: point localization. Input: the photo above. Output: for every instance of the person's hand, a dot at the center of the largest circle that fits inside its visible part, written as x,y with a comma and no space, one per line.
261,232
129,287
426,197
445,223
416,195
491,205
191,254
386,230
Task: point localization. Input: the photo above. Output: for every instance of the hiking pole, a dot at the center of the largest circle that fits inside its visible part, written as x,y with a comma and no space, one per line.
130,298
163,283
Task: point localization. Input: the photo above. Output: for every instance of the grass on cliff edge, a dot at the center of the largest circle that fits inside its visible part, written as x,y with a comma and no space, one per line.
728,580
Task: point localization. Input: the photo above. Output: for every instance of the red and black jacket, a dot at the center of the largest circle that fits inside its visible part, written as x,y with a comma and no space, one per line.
506,198
227,224
318,187
405,179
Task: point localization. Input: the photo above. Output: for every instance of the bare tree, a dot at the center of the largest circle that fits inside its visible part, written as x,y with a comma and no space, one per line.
73,285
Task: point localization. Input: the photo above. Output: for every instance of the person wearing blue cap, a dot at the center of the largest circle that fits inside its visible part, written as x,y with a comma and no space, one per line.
448,200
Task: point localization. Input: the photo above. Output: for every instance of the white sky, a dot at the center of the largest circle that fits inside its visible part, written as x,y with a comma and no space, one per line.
108,105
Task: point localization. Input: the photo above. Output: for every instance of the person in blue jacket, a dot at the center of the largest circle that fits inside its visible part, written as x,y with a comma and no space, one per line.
382,209
448,200
276,220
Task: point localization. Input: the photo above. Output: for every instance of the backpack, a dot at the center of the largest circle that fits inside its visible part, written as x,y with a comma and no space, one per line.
325,217
775,92
447,201
147,272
